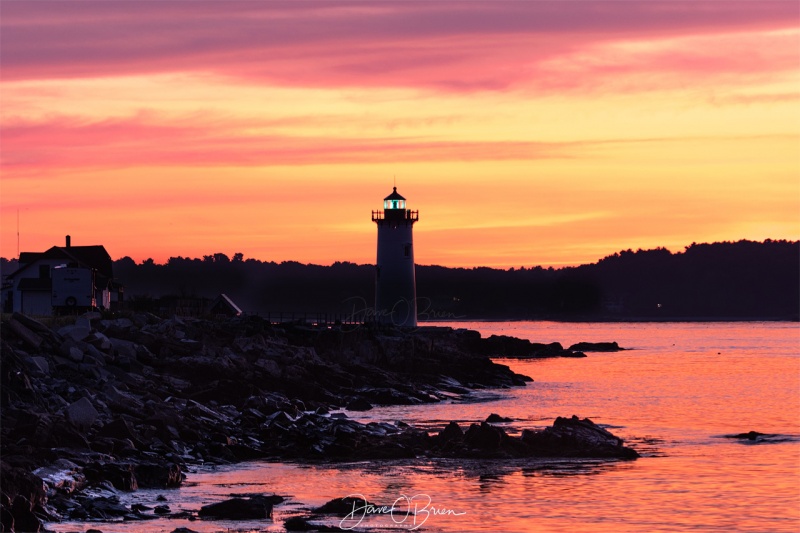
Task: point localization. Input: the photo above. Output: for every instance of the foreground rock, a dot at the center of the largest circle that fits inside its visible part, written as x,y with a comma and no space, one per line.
596,347
568,437
129,402
573,437
251,508
301,523
23,495
339,507
751,435
754,437
189,390
504,346
342,506
514,348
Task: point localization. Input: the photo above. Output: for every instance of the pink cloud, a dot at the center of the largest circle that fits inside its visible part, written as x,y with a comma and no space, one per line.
446,45
59,144
66,142
695,61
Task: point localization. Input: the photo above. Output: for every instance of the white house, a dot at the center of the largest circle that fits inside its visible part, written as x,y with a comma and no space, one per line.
63,276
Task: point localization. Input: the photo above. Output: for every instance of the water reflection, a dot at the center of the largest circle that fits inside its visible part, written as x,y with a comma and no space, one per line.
672,399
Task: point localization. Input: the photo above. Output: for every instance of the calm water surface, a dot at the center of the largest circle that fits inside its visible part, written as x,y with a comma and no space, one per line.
672,396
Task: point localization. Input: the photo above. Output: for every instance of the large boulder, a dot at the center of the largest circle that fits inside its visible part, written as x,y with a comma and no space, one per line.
158,476
494,418
121,476
485,436
81,413
596,347
119,428
19,482
575,437
77,331
251,508
123,348
7,518
62,475
24,333
104,507
99,341
342,506
71,351
122,401
506,346
40,364
24,519
358,404
451,433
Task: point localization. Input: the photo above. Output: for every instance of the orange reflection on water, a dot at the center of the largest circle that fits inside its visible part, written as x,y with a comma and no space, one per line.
672,396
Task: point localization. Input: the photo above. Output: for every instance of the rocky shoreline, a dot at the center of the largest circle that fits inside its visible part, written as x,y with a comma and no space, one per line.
515,348
126,403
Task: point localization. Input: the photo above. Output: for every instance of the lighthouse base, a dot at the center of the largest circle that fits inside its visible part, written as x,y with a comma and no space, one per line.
396,305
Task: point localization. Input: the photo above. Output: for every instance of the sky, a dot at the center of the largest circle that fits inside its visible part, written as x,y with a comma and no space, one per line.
526,133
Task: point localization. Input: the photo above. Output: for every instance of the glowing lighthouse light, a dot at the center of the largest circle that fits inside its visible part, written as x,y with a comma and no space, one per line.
395,282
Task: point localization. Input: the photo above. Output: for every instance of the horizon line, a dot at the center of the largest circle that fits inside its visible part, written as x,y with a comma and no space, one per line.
526,267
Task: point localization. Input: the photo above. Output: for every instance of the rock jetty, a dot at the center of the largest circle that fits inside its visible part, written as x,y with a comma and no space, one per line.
595,347
514,348
118,404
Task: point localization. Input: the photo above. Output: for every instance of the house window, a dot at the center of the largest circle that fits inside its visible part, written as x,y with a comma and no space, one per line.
407,250
44,271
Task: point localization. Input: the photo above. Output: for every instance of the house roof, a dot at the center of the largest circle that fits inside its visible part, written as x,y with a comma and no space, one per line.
27,257
95,257
35,284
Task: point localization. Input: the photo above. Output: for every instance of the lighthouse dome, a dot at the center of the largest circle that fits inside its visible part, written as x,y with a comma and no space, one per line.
394,201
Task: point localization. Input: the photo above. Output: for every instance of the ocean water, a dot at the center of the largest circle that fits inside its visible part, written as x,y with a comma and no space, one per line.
673,395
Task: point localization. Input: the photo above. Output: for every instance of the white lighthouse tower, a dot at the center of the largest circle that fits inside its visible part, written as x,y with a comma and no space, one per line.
395,283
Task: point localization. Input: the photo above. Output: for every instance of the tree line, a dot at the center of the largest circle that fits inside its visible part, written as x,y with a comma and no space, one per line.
724,280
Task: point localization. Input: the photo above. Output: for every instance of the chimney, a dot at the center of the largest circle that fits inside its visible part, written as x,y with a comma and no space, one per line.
69,241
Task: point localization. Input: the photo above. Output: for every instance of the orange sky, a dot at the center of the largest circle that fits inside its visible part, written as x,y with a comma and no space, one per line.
526,133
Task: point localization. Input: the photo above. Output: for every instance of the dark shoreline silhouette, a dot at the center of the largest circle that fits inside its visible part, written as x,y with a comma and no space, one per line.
742,280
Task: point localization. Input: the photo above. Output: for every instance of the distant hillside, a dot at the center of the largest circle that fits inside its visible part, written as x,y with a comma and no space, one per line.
740,280
729,280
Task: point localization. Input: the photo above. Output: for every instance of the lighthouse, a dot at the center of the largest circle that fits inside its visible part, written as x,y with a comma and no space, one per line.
395,283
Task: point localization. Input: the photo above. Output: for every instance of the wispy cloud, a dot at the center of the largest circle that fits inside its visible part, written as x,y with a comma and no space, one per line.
58,143
67,142
754,98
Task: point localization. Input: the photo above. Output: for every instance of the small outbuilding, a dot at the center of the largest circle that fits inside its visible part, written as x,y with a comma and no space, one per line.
223,305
